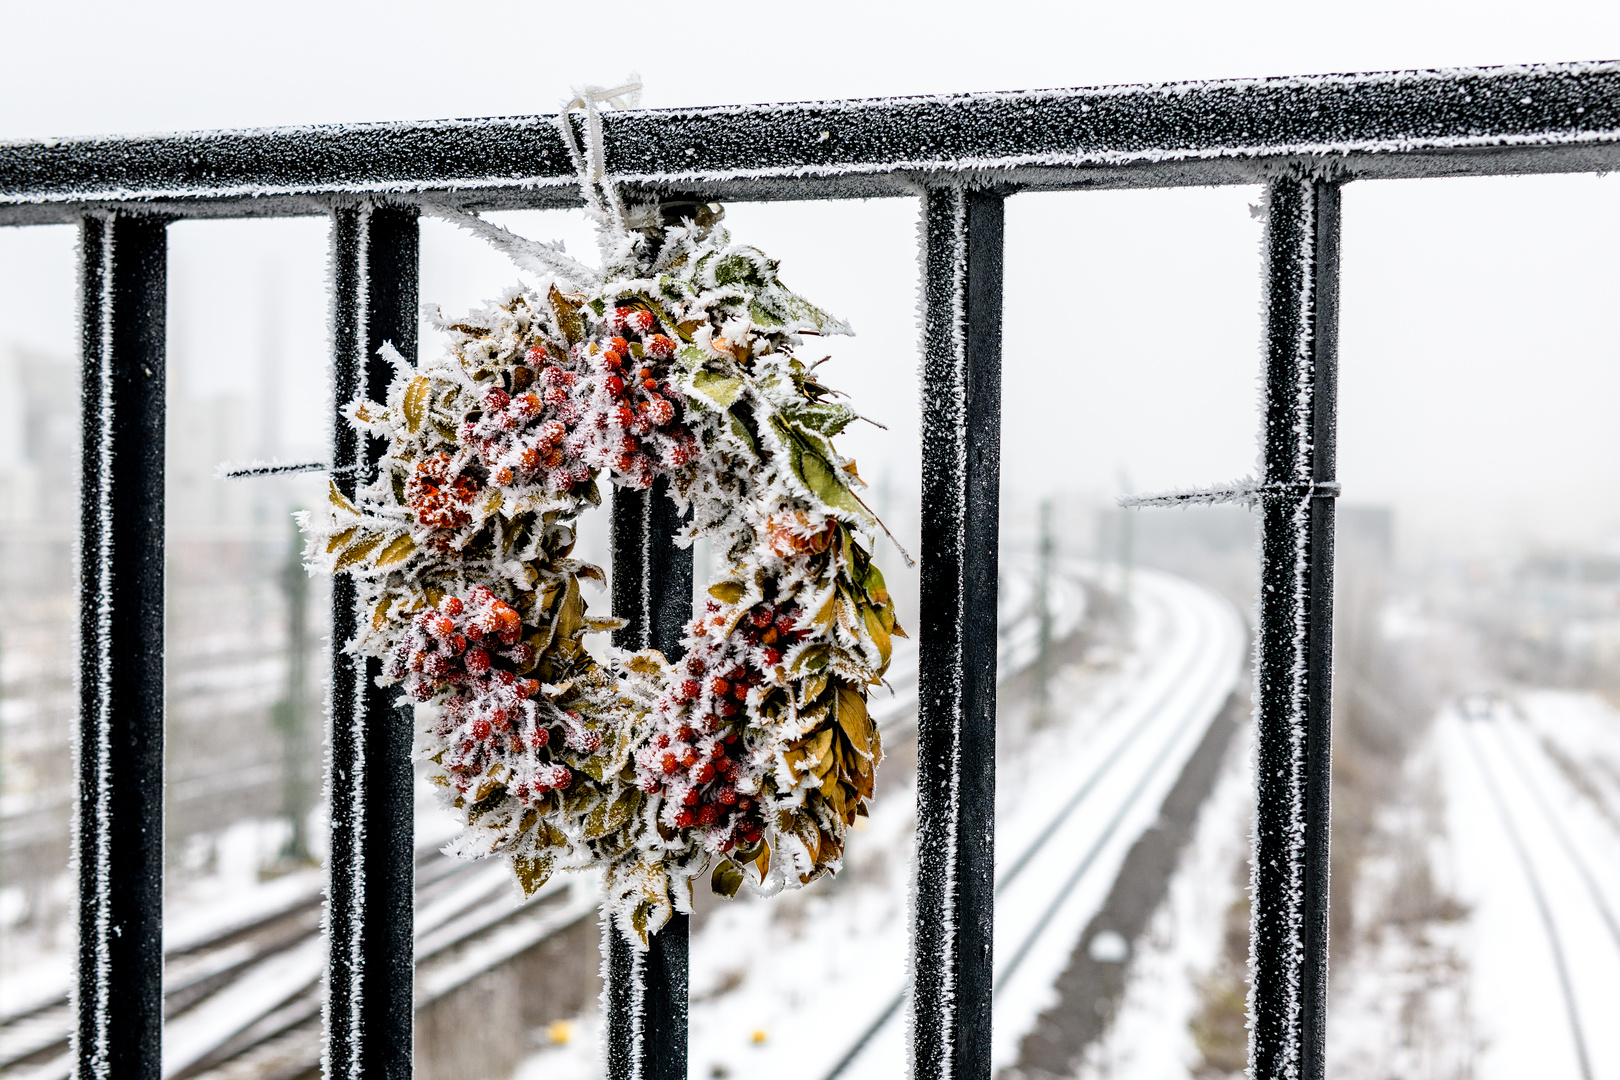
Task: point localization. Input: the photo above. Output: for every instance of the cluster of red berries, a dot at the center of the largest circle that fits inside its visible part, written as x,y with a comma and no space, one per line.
448,644
490,715
522,438
630,412
440,493
696,759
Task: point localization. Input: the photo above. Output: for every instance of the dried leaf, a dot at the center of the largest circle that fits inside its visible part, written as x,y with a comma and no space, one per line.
398,550
566,310
416,402
531,872
853,718
880,633
337,499
357,552
728,592
341,539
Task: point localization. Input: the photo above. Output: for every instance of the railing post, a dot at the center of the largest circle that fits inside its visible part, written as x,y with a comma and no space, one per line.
369,914
119,840
1294,648
956,736
644,996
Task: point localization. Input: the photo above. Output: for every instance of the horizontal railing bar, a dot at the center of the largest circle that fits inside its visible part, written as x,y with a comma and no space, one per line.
1464,121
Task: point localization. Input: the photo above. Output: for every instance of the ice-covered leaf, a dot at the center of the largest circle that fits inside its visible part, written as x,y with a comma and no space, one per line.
415,402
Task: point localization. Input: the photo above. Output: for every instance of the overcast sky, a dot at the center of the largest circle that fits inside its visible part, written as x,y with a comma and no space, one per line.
1479,341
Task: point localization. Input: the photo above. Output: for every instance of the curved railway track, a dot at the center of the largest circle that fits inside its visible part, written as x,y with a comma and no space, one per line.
242,988
1574,908
1132,756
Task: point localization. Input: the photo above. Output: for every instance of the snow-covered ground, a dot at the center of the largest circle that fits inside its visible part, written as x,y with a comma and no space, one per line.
786,987
1539,867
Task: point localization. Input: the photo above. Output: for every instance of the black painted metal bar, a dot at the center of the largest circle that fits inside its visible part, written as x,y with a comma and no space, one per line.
123,298
961,473
372,871
1474,121
645,993
1294,648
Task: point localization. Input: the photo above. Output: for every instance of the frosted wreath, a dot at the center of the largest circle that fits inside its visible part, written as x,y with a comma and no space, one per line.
755,751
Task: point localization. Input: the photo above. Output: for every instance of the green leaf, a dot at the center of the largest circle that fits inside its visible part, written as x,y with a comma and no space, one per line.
824,418
727,879
744,266
822,479
720,389
740,430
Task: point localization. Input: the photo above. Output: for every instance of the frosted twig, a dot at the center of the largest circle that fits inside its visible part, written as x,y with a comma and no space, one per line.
549,260
1246,492
241,470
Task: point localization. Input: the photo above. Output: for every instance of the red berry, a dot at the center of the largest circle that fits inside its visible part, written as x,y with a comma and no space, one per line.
480,729
496,400
659,347
614,384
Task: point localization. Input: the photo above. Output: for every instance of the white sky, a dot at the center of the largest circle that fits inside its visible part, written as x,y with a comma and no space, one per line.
1479,337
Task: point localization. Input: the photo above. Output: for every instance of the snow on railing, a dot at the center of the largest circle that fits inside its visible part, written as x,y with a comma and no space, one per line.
962,154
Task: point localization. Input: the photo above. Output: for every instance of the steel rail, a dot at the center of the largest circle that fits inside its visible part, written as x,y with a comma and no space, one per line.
1549,925
1005,876
1560,830
1460,121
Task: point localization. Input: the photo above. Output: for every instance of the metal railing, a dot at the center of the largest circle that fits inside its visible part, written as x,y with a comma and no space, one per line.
1303,138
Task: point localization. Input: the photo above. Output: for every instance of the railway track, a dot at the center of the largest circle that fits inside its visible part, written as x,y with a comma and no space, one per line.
251,977
242,988
1118,776
1567,873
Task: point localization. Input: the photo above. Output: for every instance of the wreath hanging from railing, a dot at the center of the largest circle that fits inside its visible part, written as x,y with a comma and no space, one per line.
755,751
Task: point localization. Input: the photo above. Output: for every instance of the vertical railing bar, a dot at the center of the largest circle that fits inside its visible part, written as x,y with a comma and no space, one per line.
345,784
1294,648
645,993
370,899
119,836
952,922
